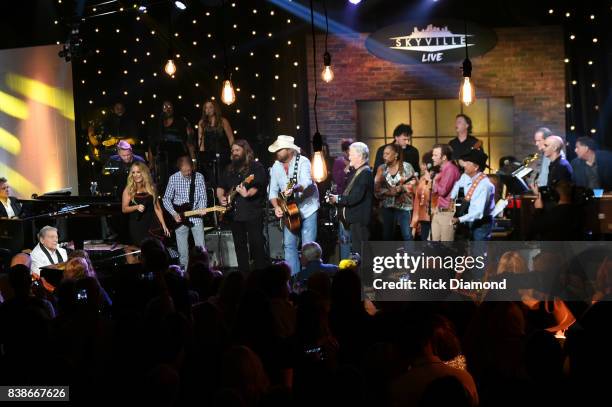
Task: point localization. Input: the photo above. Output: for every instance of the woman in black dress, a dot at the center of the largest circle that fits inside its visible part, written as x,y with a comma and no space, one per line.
215,136
140,202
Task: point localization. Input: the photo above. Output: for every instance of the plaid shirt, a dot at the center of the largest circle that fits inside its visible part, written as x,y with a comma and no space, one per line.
177,193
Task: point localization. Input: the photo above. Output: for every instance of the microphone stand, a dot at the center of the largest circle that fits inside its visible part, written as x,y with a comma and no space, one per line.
431,182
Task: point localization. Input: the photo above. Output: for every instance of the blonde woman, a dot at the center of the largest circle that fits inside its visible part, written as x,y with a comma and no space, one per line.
139,202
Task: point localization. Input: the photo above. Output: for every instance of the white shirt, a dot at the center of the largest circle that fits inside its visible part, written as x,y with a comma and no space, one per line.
10,213
308,199
40,259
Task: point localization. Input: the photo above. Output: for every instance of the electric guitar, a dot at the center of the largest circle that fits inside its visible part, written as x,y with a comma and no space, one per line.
231,196
291,213
185,212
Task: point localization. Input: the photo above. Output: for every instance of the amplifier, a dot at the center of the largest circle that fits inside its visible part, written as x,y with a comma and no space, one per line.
274,237
220,246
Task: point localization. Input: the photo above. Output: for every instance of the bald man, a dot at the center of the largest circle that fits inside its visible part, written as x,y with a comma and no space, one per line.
559,168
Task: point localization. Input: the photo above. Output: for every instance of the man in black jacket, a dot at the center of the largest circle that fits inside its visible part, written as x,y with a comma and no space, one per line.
592,167
402,136
356,201
10,206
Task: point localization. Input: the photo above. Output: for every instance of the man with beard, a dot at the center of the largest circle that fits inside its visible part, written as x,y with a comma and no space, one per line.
246,218
171,140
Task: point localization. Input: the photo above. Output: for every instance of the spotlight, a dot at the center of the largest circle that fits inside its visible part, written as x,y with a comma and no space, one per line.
181,5
355,2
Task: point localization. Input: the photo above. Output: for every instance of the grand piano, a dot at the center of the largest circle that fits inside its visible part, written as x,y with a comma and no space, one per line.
78,218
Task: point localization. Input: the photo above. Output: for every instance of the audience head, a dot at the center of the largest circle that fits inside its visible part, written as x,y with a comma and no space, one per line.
48,237
243,371
311,251
20,280
154,256
275,280
76,269
511,262
402,135
21,258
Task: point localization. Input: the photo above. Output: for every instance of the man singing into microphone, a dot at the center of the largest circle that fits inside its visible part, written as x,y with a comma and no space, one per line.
442,206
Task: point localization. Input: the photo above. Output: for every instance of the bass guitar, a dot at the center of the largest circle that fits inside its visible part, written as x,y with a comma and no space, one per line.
185,212
291,213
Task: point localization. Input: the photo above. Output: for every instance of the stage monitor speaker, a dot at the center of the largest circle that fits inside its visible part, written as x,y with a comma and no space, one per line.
274,237
220,246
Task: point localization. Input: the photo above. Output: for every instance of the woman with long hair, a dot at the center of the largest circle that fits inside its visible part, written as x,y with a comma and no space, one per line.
421,215
139,202
392,186
215,136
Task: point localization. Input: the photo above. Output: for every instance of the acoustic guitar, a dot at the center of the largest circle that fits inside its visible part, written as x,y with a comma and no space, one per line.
185,212
291,213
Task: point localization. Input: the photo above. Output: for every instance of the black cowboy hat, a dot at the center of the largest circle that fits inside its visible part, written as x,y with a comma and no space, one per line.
476,156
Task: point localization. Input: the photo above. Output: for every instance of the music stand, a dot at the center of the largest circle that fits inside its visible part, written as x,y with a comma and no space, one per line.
515,186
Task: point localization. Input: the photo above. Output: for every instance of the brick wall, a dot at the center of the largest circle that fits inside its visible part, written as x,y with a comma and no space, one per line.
527,63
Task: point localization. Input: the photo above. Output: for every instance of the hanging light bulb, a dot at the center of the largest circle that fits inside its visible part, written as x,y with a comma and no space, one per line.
467,95
170,67
318,165
228,96
327,75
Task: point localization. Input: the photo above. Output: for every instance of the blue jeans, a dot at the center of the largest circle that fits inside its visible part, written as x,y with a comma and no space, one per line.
308,233
392,216
182,241
344,240
481,231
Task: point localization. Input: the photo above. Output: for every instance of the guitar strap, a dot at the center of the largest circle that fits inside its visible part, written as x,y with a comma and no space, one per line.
192,190
350,185
470,192
294,177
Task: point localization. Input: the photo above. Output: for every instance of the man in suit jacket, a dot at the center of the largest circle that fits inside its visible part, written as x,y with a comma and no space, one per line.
10,208
592,167
356,201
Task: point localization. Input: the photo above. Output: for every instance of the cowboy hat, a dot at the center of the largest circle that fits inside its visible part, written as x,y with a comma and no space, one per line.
281,142
477,157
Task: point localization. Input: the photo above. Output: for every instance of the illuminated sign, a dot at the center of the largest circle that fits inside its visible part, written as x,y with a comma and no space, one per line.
430,42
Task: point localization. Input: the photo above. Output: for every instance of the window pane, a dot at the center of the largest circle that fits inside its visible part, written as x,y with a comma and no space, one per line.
500,147
423,145
447,109
501,116
373,145
423,118
371,119
396,112
478,113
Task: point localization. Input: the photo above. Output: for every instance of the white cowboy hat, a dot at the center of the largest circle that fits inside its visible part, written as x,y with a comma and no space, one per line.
281,142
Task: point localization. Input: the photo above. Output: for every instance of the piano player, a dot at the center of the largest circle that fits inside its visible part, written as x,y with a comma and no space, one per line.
47,251
10,208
